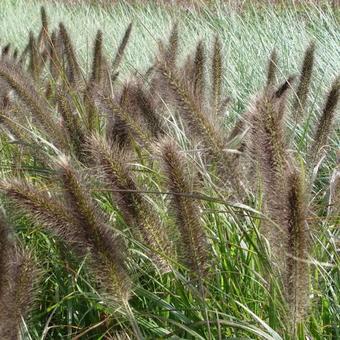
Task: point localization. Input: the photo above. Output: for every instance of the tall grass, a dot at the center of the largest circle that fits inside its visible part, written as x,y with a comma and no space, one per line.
182,188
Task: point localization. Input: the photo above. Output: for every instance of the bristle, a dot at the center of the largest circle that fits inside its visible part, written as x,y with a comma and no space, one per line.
323,128
6,252
198,123
137,212
72,124
5,50
199,75
304,82
39,205
33,100
112,161
171,51
148,111
281,94
92,116
73,70
187,69
297,275
43,14
194,244
34,65
121,49
217,72
24,54
19,296
268,150
97,67
55,56
106,251
125,120
202,126
236,130
18,274
271,69
138,101
43,35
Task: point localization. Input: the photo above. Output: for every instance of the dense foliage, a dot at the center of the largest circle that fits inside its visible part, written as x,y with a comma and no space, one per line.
142,206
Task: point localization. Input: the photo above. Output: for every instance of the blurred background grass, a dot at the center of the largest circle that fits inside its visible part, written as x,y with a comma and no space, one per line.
247,35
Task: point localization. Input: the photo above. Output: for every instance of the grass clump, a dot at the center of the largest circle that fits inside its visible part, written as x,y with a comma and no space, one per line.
157,204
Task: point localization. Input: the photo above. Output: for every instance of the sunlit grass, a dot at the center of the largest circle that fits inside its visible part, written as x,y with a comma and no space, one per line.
238,302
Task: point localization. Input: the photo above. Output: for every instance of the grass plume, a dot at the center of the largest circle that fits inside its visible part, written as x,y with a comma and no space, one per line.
194,244
297,276
105,247
199,74
217,72
18,274
136,210
268,148
271,68
72,124
304,82
28,94
171,51
73,69
324,124
121,49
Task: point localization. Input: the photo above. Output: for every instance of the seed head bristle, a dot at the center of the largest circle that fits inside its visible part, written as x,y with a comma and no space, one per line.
137,101
194,244
199,81
15,54
304,82
40,206
34,65
217,72
281,94
124,122
297,274
324,124
73,69
121,49
136,210
43,35
271,69
171,51
39,108
5,50
204,127
18,275
223,106
268,150
97,64
106,250
55,56
72,123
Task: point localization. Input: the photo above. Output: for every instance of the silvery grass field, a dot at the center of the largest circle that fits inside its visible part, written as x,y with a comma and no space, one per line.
169,170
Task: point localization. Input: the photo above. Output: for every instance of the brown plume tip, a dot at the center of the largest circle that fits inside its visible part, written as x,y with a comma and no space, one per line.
5,50
43,15
121,49
323,128
271,69
304,81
